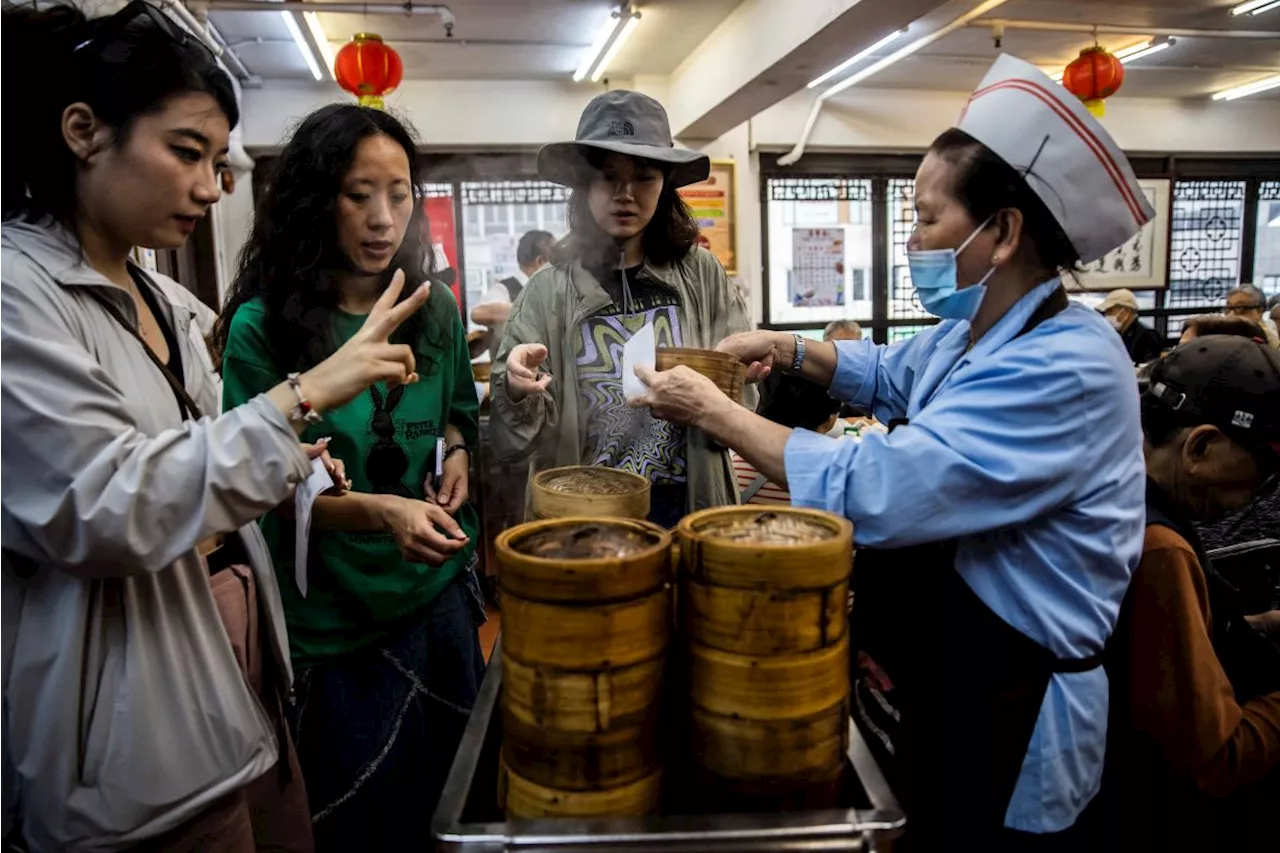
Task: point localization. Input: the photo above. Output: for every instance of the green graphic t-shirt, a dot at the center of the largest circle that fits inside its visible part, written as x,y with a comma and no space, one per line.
358,587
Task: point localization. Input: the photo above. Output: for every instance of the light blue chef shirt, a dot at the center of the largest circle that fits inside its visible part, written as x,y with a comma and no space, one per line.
1028,451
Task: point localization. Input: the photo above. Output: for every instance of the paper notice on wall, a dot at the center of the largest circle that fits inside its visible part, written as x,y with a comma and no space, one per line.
319,482
817,271
641,349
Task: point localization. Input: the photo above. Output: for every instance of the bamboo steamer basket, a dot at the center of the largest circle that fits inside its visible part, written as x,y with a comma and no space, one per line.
590,491
584,559
584,702
594,637
778,548
574,761
523,799
811,748
763,622
727,372
777,687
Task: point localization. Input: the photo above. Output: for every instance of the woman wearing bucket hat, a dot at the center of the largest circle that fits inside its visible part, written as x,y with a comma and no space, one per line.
631,260
1001,517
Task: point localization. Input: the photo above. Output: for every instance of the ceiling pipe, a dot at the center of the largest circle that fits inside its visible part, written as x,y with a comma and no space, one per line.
196,20
984,62
233,60
557,45
876,67
193,25
371,7
1000,24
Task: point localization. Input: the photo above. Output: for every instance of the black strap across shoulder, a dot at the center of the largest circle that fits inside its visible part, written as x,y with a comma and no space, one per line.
190,409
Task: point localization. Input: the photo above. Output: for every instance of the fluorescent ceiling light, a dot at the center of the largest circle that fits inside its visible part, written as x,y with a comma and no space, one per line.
1134,51
607,29
301,42
857,57
618,42
1138,51
901,53
1249,88
322,41
1255,7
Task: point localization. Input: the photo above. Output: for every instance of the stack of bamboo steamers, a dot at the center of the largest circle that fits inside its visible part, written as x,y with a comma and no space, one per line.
586,612
763,607
763,687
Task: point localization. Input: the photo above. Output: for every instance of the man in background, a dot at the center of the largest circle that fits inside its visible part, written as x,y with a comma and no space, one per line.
532,253
1249,302
842,330
1121,310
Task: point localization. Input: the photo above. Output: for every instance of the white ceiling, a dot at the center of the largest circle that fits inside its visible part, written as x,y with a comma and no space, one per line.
546,39
1193,67
493,39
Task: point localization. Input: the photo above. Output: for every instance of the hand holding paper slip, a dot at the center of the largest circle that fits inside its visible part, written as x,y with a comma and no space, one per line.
319,482
640,350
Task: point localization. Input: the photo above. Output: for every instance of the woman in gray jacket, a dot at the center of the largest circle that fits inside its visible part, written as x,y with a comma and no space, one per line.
631,260
128,722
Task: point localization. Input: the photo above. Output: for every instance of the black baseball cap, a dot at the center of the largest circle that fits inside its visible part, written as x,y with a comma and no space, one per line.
1228,381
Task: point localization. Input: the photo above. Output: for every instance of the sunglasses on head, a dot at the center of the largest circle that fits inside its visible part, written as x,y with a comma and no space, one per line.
118,23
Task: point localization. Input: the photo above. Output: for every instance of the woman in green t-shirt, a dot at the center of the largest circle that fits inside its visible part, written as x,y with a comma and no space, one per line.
382,619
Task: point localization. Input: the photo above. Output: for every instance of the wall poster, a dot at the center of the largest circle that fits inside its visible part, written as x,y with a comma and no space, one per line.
817,271
712,202
1142,263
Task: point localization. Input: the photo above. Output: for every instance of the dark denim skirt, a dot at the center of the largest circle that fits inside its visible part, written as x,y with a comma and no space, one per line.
376,730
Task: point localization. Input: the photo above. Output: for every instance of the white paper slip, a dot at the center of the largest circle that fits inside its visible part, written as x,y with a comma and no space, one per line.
639,350
311,488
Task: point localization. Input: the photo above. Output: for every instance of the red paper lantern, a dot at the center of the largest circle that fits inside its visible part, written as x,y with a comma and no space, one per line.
1093,76
368,69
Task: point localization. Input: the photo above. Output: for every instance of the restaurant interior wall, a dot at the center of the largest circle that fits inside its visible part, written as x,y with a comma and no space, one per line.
1223,229
467,119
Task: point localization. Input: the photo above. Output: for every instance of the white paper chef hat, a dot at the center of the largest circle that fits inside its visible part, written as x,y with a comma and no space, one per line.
1063,153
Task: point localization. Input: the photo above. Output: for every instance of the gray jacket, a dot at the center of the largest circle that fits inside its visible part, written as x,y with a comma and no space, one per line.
125,713
549,428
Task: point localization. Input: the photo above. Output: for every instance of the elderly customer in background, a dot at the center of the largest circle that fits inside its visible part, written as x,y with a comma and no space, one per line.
1193,754
842,330
1249,302
1121,310
1220,324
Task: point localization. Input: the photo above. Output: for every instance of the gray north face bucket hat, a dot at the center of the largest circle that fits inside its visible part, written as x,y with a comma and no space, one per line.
626,123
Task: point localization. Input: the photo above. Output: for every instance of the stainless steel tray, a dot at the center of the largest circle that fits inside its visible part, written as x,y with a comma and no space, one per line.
468,820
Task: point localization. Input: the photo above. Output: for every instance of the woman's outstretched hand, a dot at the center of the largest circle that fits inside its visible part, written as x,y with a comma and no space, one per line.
367,357
522,371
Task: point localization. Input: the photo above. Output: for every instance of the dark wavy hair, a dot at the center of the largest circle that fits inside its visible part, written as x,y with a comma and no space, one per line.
292,257
795,402
124,66
986,184
668,237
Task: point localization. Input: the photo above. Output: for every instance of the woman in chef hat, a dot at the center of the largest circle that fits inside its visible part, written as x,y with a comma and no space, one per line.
999,521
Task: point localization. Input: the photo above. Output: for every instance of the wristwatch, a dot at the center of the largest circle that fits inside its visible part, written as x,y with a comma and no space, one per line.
797,361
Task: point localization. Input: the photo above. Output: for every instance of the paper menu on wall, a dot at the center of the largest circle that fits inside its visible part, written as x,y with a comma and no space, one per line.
641,349
319,482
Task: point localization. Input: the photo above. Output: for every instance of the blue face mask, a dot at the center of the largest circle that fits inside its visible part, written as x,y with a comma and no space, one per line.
933,272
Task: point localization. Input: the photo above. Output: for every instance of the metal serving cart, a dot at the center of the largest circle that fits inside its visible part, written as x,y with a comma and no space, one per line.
468,819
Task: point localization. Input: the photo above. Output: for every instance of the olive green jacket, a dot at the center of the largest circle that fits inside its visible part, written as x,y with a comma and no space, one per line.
549,428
